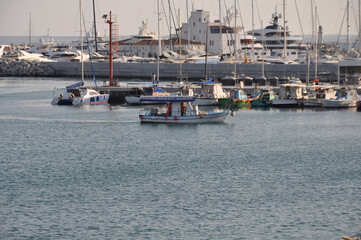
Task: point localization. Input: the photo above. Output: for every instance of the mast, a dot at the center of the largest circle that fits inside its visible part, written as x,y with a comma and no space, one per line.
159,41
359,24
180,46
348,25
316,44
189,34
95,28
81,44
30,29
284,31
170,25
262,48
252,50
206,59
235,38
220,28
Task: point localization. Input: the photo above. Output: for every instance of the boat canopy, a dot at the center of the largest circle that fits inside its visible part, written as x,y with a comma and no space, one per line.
168,98
75,85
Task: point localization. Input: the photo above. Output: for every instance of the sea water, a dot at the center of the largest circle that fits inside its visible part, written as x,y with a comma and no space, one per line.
96,172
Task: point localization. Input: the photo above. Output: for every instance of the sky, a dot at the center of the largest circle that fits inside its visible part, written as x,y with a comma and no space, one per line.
61,17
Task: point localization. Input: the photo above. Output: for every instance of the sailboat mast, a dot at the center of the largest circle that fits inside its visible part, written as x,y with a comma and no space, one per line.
359,25
30,29
95,28
170,25
220,28
348,25
180,46
235,38
284,31
316,44
252,50
159,41
81,44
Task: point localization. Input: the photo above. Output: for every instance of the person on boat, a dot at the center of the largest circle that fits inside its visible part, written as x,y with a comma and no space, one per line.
183,109
60,96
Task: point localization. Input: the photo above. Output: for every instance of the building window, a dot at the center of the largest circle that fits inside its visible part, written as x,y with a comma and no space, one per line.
194,38
200,19
194,24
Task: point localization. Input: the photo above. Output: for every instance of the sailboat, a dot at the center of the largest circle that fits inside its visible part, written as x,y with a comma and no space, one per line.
77,94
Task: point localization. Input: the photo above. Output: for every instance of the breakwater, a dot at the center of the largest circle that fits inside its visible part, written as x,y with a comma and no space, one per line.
25,68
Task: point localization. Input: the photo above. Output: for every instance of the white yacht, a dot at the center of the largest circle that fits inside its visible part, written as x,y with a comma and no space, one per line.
273,36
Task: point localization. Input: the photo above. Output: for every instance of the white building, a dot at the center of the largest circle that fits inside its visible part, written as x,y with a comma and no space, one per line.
196,30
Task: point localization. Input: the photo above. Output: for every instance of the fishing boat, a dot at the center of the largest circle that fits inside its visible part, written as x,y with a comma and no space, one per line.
265,99
179,109
318,93
209,94
290,95
344,99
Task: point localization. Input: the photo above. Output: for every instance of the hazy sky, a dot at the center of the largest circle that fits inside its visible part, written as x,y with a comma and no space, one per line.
61,17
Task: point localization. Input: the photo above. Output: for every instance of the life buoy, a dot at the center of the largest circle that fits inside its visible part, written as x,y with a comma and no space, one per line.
201,115
166,118
176,118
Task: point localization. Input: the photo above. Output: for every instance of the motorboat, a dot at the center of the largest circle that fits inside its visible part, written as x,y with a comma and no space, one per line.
290,95
318,93
178,109
344,99
76,94
209,94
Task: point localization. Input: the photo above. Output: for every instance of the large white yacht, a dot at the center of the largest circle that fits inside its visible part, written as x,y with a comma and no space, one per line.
273,36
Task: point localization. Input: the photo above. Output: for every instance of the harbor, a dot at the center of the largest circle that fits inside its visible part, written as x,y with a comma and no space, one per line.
177,119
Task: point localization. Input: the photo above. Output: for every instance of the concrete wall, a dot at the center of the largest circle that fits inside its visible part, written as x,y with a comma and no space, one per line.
170,71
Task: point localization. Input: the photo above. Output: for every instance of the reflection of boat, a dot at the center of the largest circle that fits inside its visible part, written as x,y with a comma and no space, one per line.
290,95
344,99
180,109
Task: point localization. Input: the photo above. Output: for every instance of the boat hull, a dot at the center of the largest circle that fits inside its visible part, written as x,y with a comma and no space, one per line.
312,103
286,103
97,100
206,101
201,118
338,103
358,105
133,100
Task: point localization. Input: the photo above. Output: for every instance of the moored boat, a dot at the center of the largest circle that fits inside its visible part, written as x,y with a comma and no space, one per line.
76,94
319,93
344,99
209,94
179,109
290,95
265,99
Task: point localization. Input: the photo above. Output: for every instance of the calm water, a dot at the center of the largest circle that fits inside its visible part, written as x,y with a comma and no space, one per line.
97,173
